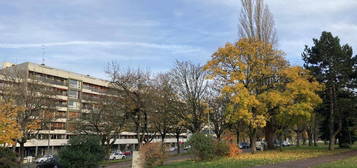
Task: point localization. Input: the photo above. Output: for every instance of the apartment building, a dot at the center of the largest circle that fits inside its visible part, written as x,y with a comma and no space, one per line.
73,94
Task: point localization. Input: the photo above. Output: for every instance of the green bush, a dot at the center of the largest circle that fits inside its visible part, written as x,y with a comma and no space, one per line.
8,158
221,148
83,152
202,146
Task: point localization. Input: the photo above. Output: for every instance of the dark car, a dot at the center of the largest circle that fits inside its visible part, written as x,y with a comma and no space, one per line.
49,163
244,145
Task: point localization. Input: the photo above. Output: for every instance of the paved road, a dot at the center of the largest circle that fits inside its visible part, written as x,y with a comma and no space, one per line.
306,163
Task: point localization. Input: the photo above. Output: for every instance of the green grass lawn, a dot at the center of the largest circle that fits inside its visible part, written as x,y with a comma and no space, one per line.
345,163
107,162
260,158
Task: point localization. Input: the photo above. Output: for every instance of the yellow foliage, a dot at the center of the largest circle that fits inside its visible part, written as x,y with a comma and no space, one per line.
9,130
245,67
34,125
301,92
258,79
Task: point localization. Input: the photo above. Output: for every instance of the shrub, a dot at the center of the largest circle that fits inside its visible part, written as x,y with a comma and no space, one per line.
221,148
83,151
202,146
233,150
8,158
153,154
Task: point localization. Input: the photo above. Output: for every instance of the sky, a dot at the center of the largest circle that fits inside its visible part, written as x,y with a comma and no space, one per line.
83,36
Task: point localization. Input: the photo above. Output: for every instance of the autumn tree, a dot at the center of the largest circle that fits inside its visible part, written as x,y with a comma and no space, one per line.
189,82
178,128
248,68
217,105
9,130
36,99
165,105
257,22
298,99
104,117
136,87
334,66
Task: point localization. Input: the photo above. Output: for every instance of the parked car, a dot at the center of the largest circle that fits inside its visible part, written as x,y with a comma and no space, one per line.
43,158
171,149
127,153
259,145
286,143
49,162
277,144
187,147
116,156
244,145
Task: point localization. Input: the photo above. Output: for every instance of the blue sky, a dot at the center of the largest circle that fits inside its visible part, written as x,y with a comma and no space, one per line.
84,35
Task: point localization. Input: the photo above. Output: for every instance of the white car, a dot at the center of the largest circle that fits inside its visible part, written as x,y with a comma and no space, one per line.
187,147
259,145
116,156
172,149
286,143
44,158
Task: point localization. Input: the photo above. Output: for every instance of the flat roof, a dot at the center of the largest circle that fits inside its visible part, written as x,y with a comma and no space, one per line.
63,73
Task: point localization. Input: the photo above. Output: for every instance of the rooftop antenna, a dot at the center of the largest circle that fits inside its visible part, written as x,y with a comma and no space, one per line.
43,54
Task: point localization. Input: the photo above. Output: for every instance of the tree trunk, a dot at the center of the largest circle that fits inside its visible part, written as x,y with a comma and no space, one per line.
22,150
107,148
140,139
333,142
253,140
349,137
331,120
303,138
163,139
297,138
314,129
219,137
309,133
269,135
178,143
238,136
281,142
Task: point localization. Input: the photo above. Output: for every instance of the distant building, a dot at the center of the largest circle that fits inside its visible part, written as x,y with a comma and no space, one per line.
74,91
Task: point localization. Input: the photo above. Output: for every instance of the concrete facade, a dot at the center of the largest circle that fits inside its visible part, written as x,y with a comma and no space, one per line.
74,90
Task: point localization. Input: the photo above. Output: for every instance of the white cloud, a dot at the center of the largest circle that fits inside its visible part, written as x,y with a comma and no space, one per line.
174,47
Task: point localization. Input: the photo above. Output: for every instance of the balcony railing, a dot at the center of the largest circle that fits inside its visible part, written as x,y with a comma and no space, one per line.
55,82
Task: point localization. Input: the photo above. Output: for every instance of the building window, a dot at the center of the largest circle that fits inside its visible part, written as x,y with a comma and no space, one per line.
73,105
74,84
73,94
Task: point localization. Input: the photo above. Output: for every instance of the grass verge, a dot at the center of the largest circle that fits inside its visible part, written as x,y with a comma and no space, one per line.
107,162
344,163
261,158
